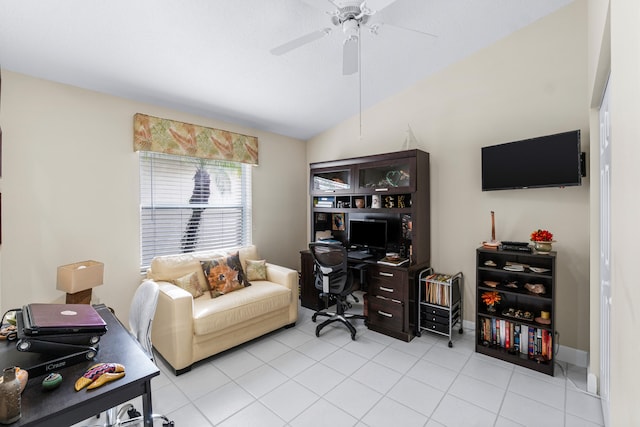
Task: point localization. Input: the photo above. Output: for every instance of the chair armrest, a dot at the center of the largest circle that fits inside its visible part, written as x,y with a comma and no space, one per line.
172,332
289,278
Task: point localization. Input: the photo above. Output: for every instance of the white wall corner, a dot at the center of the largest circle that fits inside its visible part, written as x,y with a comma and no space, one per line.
592,383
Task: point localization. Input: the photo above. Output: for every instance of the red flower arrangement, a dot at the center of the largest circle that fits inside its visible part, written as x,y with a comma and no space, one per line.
541,236
491,298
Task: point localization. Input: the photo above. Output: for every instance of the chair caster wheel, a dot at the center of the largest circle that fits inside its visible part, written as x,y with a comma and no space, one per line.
460,331
450,344
313,318
133,413
169,424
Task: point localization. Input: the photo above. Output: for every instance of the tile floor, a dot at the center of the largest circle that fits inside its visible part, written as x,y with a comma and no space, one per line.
291,378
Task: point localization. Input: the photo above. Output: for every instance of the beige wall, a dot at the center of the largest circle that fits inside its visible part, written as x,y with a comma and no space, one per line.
530,84
70,190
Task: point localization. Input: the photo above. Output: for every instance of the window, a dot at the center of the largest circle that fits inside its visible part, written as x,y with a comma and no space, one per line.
190,204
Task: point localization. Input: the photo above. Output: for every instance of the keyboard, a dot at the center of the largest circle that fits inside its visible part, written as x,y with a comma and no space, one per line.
358,255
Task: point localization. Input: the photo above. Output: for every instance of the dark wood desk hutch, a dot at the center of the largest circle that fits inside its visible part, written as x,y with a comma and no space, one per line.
393,188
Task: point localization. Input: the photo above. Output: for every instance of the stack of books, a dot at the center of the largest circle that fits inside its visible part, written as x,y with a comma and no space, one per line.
394,261
324,202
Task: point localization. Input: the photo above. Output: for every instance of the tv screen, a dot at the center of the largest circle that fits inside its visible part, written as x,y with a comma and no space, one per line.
546,161
368,233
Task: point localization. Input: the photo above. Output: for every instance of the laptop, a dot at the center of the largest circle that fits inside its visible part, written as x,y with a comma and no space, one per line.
55,319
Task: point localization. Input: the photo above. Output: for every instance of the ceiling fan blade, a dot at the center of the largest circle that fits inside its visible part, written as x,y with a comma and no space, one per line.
350,56
300,41
405,15
376,27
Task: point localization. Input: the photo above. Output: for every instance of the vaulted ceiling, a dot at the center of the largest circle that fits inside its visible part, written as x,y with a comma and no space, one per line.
213,57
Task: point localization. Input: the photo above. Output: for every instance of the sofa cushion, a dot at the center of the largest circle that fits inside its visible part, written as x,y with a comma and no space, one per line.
247,303
224,275
256,270
190,283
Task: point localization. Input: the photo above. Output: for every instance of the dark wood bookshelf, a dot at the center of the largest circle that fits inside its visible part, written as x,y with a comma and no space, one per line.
526,308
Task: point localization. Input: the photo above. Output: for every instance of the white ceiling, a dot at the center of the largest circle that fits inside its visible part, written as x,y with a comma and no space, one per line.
212,57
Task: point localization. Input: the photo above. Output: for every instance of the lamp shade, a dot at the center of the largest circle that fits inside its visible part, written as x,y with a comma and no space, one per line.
80,276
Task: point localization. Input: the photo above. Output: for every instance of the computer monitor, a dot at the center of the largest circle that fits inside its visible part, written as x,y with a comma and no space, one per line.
368,233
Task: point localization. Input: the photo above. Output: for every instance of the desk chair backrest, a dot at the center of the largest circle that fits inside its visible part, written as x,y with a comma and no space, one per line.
142,311
331,271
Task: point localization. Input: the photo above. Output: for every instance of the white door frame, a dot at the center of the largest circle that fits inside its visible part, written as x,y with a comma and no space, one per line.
605,253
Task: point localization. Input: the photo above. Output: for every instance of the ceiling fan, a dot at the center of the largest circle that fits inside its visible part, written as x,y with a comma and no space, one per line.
351,17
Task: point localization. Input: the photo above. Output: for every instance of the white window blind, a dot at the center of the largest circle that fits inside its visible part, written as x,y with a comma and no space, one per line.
178,213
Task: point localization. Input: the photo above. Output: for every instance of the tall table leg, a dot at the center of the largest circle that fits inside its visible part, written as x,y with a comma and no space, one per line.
147,409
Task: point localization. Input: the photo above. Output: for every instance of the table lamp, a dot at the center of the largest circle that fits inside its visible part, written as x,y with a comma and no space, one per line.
78,279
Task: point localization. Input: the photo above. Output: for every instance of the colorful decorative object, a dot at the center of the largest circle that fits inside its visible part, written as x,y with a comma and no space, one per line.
542,240
184,139
99,374
541,236
52,381
490,299
224,275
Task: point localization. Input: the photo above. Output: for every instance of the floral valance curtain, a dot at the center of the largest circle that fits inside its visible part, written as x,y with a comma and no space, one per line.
184,139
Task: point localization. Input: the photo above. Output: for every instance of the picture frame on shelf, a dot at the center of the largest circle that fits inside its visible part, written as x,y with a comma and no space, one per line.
337,222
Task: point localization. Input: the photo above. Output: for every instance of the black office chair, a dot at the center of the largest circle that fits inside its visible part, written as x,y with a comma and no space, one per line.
334,280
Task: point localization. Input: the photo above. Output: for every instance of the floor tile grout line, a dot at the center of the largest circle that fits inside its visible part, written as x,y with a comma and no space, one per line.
504,396
446,392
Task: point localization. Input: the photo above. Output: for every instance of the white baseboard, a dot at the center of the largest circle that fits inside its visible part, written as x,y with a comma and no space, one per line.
573,356
592,383
570,355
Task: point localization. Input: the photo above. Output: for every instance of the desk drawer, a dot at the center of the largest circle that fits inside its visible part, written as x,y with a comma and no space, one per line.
386,313
388,282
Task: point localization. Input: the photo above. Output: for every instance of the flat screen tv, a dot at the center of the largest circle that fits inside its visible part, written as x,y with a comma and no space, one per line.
546,161
368,233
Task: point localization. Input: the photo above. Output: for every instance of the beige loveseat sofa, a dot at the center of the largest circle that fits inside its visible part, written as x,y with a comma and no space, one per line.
187,329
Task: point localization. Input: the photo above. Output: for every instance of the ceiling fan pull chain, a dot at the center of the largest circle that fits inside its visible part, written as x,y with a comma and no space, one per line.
360,79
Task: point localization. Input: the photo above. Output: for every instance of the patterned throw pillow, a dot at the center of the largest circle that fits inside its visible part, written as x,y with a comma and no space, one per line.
256,269
190,283
224,275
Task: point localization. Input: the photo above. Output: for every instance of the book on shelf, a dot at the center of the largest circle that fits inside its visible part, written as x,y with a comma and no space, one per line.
324,205
393,261
517,338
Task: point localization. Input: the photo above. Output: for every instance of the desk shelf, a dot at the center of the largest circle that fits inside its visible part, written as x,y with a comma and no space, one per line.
440,303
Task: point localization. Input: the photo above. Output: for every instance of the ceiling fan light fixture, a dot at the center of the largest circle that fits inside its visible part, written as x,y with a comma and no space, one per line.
351,29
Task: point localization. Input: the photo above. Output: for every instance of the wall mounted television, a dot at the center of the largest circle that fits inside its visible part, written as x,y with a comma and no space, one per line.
545,161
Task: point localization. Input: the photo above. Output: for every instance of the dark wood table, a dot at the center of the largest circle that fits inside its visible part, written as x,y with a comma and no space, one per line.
64,406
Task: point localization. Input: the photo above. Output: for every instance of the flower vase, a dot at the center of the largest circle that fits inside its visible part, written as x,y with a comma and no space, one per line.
543,247
491,308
